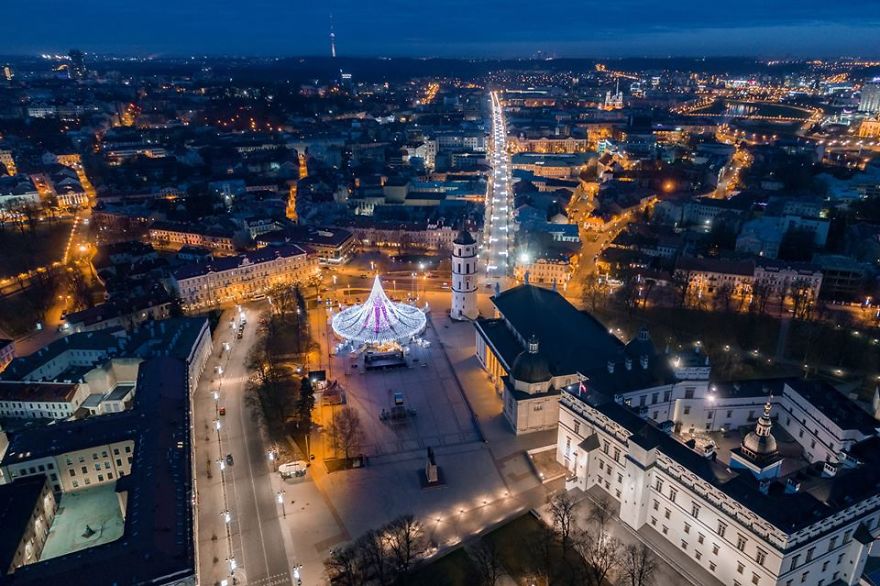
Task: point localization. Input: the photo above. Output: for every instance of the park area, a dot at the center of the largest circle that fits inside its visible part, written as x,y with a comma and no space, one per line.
23,251
750,345
567,542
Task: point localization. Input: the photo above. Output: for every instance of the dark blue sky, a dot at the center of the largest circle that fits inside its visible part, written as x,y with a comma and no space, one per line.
465,28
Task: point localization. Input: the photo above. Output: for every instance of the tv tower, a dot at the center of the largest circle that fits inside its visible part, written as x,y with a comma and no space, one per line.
332,38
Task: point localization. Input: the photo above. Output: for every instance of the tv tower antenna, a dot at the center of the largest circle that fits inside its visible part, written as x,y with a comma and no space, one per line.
332,38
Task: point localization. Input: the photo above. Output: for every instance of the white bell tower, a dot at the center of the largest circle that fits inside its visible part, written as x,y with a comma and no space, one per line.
464,277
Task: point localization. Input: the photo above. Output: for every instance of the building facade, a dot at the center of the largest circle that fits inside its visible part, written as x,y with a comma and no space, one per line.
28,511
239,278
668,455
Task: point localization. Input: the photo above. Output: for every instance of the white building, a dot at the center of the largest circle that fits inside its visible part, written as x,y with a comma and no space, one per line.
464,276
40,400
683,465
239,278
544,269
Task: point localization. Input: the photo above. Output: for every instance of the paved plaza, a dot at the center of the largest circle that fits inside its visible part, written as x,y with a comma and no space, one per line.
487,475
439,414
85,518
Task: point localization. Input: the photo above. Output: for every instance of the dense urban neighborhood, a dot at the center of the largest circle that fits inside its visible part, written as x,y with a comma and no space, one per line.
338,320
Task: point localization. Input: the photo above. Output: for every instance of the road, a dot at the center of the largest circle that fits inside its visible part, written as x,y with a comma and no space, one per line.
251,542
499,200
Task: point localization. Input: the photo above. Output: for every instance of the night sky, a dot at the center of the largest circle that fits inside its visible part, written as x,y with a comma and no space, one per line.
451,28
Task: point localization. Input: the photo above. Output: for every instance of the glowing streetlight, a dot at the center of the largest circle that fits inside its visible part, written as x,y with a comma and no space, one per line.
279,497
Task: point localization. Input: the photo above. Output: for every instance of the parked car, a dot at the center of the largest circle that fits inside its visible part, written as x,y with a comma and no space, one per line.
229,460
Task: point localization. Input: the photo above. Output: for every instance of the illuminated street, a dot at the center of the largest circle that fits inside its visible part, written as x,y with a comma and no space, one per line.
499,201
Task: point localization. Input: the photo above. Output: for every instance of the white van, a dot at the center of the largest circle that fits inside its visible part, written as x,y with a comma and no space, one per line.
293,469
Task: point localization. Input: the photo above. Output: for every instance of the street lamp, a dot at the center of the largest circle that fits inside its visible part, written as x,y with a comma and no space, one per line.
279,496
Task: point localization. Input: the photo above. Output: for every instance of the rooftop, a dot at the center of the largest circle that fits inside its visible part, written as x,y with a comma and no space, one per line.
171,337
157,541
36,391
228,263
572,341
818,497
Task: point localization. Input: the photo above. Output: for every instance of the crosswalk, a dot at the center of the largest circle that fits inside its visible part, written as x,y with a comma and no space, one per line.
275,580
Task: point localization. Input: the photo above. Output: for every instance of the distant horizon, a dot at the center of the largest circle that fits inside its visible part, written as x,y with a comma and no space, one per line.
481,59
457,29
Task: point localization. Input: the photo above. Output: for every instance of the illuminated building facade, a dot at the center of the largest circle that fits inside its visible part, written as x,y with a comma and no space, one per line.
234,279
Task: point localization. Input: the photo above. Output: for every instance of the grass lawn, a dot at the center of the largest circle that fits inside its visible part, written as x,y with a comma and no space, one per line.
516,544
17,315
22,252
453,569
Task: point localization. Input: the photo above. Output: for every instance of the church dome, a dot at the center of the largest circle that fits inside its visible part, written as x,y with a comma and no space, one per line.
464,238
760,443
530,366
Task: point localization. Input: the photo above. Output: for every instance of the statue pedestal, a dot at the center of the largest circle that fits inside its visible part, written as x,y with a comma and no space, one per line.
431,475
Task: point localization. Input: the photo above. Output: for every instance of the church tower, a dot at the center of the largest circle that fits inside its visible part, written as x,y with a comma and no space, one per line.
464,276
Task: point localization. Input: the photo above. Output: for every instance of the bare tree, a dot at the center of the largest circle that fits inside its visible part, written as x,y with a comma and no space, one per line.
283,300
724,296
802,298
487,558
274,383
593,290
639,565
31,218
761,293
563,509
601,513
346,431
680,285
373,556
315,280
600,555
79,288
629,295
342,567
539,548
405,539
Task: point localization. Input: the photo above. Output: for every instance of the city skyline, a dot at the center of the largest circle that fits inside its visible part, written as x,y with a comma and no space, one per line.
487,30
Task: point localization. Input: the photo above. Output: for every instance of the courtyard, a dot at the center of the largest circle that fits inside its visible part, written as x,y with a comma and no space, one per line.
85,518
